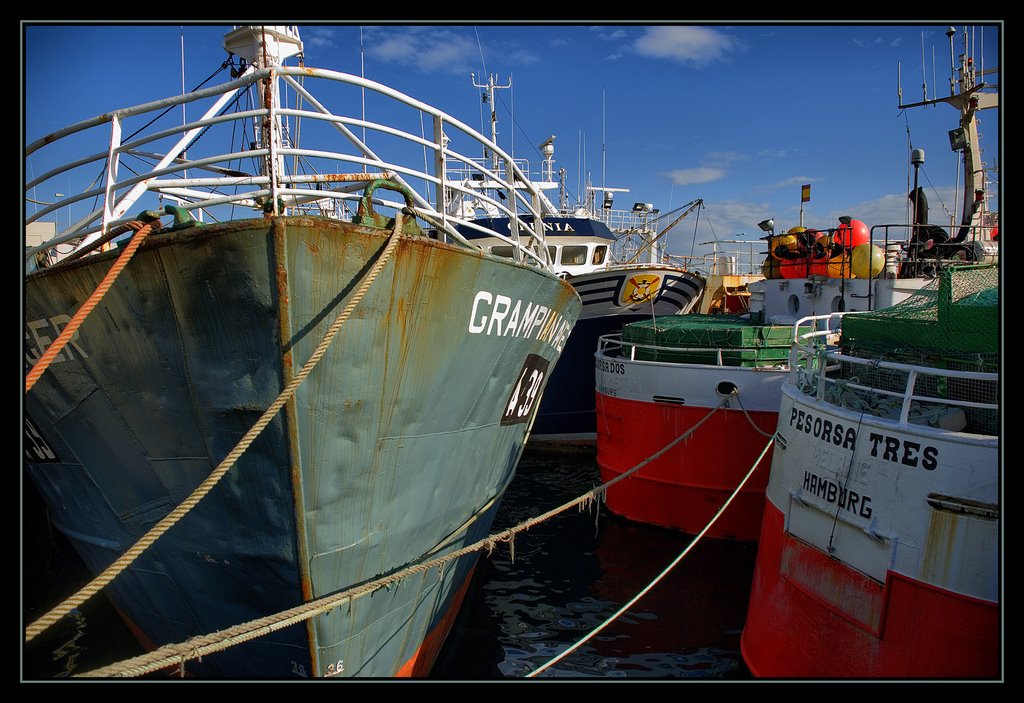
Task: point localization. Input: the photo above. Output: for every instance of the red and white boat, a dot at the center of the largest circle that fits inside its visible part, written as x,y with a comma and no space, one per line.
655,384
688,429
879,554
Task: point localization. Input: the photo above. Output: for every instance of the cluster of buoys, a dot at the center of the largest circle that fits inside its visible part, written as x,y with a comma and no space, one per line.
845,252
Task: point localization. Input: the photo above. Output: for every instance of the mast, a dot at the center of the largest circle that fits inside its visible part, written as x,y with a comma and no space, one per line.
488,97
547,148
265,47
967,97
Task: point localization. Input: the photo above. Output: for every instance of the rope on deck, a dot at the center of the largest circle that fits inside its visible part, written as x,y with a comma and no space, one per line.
181,510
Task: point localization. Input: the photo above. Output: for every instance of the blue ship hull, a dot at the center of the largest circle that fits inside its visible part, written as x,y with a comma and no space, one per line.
395,450
568,409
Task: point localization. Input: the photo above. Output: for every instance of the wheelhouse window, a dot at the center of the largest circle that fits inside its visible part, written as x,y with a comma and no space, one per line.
574,255
600,252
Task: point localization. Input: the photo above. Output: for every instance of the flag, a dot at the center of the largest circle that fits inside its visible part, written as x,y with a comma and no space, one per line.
805,193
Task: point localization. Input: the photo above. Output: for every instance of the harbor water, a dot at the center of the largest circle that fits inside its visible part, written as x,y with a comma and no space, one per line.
567,576
530,601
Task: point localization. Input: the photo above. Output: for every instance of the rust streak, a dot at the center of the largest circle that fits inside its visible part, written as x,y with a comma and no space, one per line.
347,177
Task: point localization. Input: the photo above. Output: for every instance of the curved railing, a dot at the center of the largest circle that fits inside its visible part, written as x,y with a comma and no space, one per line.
119,170
903,393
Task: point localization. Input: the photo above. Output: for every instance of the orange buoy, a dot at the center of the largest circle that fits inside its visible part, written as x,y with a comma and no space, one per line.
818,267
795,268
820,250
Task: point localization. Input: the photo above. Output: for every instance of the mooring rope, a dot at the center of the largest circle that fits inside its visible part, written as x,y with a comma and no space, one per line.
142,230
664,449
194,648
750,419
88,249
664,572
182,509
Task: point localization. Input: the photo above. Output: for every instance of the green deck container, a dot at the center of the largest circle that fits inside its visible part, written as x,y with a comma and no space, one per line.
697,339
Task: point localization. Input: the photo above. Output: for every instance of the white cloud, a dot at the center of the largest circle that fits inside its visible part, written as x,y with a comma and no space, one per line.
608,34
440,50
888,209
698,45
689,176
737,215
774,153
318,37
518,55
392,49
790,182
724,157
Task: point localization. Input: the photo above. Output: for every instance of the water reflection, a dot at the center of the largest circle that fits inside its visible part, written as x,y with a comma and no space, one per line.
570,574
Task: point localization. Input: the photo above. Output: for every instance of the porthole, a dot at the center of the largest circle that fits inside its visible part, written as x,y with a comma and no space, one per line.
725,388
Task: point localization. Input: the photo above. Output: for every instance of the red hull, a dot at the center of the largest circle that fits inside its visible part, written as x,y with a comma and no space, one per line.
420,664
811,616
685,487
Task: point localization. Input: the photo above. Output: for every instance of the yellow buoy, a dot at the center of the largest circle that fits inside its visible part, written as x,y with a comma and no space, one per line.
839,266
787,242
867,260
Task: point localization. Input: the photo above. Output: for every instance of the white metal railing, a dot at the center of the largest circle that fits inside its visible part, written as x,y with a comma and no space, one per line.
613,346
623,221
619,221
814,361
115,172
720,263
472,169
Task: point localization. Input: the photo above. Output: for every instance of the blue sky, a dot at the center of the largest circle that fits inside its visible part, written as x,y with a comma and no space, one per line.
740,115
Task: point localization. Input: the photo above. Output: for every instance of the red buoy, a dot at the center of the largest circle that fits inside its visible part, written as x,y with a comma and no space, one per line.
852,235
